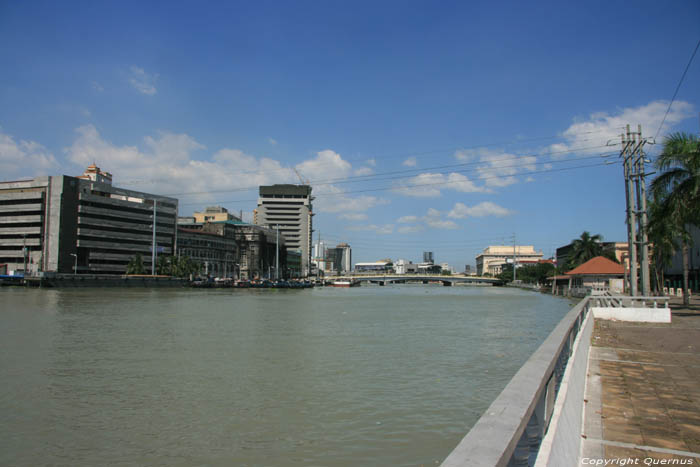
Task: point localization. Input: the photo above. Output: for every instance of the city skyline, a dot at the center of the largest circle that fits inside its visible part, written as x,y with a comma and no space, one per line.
420,127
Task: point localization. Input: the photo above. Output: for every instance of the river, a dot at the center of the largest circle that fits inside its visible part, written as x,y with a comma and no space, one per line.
373,375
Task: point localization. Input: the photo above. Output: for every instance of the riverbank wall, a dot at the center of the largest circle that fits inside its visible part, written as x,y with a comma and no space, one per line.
103,280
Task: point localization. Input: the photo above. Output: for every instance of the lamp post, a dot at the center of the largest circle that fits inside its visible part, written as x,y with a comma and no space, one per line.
75,264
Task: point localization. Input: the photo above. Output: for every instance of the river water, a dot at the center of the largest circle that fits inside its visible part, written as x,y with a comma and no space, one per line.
381,376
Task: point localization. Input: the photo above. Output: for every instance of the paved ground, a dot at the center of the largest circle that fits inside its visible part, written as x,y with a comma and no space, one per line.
643,391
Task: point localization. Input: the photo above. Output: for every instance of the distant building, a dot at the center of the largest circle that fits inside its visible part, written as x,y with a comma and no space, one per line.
403,266
214,214
345,265
492,259
428,257
290,208
81,224
375,267
255,255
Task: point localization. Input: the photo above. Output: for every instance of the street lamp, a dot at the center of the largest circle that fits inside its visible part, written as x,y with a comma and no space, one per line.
75,266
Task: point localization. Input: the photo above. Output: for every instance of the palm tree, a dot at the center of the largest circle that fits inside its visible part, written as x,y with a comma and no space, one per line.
585,247
678,190
662,236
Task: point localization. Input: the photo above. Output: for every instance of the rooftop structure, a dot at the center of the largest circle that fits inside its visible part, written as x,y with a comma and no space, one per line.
214,214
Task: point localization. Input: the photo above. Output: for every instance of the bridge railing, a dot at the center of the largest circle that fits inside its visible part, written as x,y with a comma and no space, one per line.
511,430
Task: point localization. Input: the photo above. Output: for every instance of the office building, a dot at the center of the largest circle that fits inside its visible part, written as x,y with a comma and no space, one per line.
289,208
81,224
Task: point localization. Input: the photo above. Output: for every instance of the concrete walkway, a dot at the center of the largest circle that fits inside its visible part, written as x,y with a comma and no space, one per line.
643,392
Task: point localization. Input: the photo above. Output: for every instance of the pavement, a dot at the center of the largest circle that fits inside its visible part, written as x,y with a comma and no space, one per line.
643,391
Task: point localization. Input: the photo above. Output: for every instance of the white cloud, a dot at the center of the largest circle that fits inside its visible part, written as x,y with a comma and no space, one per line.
327,164
429,185
385,229
143,82
356,216
498,168
406,229
433,218
272,141
24,158
601,127
371,162
486,208
362,171
410,162
166,165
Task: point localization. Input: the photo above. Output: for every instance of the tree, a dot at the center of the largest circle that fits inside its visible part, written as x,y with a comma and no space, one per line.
662,235
587,247
135,265
677,190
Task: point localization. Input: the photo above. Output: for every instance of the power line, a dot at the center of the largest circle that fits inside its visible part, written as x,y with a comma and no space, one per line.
408,154
375,177
677,89
341,193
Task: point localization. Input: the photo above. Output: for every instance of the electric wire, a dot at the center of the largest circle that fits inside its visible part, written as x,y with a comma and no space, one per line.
677,89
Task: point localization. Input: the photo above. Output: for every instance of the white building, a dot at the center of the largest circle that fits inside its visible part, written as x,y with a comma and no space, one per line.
492,259
403,266
289,207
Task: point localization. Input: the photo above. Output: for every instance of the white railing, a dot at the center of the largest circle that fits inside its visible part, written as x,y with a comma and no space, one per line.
511,430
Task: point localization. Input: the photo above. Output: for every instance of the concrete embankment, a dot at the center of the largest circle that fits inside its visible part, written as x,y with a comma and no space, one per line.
95,280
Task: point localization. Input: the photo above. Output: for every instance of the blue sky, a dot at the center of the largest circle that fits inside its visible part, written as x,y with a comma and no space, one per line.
441,126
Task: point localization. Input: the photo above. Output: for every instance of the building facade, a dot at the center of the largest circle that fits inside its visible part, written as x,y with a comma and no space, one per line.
216,254
289,208
82,224
493,258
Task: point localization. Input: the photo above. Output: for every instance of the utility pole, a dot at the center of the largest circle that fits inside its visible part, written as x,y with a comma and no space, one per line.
642,213
515,259
627,154
153,246
277,253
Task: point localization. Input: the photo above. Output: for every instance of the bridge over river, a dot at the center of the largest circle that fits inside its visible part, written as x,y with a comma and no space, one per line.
383,279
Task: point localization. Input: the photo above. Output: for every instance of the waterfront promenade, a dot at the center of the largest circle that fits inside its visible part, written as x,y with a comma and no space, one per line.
643,391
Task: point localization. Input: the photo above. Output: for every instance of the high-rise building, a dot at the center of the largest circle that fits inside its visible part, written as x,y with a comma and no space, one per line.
289,208
345,258
428,257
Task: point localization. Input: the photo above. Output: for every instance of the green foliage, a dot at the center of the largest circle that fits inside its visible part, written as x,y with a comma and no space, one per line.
675,201
529,274
135,265
182,266
585,247
445,272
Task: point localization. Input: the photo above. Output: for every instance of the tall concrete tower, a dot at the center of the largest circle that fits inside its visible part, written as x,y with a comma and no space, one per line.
289,208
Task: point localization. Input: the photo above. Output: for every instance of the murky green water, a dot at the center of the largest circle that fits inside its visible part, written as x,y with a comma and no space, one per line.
379,376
